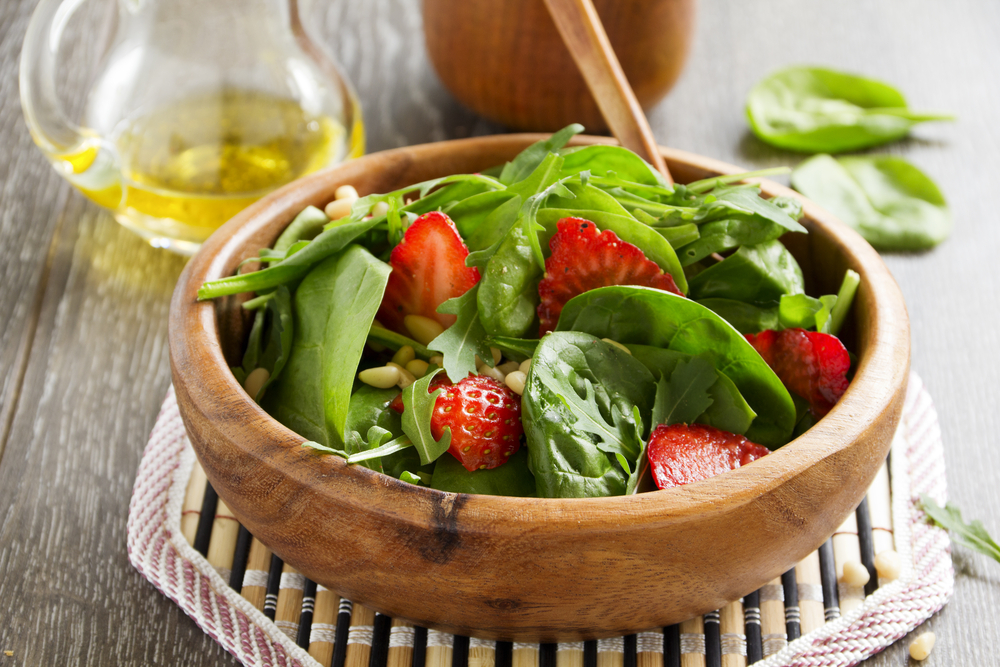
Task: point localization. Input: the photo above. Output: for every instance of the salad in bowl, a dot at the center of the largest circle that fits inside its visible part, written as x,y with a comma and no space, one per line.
565,325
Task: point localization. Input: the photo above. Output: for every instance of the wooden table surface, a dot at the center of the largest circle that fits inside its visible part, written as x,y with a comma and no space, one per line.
83,302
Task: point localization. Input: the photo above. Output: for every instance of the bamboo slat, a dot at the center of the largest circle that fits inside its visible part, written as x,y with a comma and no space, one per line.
222,544
193,497
255,578
809,583
693,642
324,626
289,607
733,639
846,549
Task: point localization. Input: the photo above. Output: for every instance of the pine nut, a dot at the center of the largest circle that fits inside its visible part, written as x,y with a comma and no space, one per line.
922,646
497,355
509,367
405,375
382,377
437,360
855,574
338,208
525,365
491,372
515,381
255,380
423,329
345,192
617,344
418,367
889,565
380,209
404,355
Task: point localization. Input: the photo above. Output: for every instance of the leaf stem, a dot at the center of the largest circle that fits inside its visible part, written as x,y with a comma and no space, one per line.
845,296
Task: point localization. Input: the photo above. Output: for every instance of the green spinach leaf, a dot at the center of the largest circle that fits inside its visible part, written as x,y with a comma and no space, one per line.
629,314
508,289
305,227
612,161
745,317
510,479
890,202
515,349
816,110
759,274
532,156
334,307
578,415
721,235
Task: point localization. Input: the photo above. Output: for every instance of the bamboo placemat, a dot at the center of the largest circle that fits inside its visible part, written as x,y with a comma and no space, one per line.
182,538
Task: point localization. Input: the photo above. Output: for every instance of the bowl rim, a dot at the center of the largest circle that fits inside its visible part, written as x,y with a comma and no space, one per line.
194,334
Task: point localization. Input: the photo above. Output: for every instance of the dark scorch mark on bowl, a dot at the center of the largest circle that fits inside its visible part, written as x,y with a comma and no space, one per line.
443,537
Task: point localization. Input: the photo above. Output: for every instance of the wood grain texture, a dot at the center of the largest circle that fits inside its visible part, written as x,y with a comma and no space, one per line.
67,593
353,530
511,65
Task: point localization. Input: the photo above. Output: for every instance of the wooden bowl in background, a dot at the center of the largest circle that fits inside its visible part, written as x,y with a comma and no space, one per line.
516,568
506,61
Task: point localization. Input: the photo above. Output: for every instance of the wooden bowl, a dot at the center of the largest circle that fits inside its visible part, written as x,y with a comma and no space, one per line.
508,63
529,569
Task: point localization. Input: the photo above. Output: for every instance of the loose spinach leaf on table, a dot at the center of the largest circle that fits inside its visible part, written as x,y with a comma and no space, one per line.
418,407
511,479
334,306
972,535
759,274
647,316
816,110
579,417
463,340
728,410
890,202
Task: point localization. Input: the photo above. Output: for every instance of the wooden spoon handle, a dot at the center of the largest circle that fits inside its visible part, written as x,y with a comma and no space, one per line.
584,36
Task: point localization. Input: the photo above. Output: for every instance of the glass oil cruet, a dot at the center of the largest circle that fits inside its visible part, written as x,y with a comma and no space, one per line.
198,108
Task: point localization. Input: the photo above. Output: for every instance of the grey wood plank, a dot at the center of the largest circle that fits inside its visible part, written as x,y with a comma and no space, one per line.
98,364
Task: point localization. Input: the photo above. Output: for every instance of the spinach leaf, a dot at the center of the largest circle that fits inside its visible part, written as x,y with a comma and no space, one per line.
816,110
630,314
727,234
805,312
510,479
759,274
613,161
683,396
484,237
508,289
748,200
728,409
293,267
578,415
745,317
306,226
463,340
515,349
418,406
532,156
277,343
334,306
890,202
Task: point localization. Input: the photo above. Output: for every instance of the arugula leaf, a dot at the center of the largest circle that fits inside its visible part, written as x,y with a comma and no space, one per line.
532,156
646,316
312,444
515,349
578,415
463,340
749,201
485,240
642,463
333,307
356,447
418,407
972,535
890,202
816,110
373,449
684,397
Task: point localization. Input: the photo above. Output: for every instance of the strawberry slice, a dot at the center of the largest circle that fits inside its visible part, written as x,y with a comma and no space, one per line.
428,268
681,454
484,417
585,258
811,364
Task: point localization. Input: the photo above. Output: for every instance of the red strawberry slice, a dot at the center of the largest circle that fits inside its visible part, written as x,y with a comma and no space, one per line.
428,268
585,258
811,364
681,454
484,417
